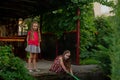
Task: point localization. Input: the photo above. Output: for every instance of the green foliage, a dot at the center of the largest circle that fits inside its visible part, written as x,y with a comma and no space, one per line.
102,43
104,30
115,44
89,61
99,50
87,29
28,21
103,57
106,2
65,18
95,34
62,20
78,3
11,67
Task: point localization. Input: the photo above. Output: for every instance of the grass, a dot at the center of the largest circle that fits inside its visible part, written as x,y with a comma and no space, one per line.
89,61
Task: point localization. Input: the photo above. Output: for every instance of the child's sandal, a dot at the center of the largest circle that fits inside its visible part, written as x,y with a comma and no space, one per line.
30,70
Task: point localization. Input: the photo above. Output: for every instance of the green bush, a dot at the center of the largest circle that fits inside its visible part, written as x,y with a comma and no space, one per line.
11,67
115,44
104,61
102,43
89,61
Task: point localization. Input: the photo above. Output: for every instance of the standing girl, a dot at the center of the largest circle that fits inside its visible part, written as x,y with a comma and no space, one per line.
62,63
33,47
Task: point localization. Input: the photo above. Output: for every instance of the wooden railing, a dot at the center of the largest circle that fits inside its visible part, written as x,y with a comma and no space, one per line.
18,43
12,39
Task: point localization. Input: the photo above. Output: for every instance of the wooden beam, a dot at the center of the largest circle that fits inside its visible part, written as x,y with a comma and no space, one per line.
78,39
19,7
12,39
14,12
8,9
28,1
12,15
27,7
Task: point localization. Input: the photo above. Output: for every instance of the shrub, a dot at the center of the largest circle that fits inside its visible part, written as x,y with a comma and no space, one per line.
102,43
115,44
11,67
89,61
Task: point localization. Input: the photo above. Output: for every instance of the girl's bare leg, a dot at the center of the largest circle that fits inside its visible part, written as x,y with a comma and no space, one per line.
34,61
30,67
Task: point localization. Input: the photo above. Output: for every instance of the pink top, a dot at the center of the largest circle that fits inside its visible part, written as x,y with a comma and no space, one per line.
35,40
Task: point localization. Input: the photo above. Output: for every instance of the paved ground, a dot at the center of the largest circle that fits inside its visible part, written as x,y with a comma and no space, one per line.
84,72
44,65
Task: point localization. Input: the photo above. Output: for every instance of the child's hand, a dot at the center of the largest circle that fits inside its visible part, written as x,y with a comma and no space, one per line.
67,71
38,44
40,40
71,73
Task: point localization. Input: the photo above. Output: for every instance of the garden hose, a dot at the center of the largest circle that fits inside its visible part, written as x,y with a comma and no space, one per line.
74,76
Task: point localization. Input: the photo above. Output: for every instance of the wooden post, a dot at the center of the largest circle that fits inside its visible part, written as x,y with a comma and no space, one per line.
41,20
56,47
78,38
41,16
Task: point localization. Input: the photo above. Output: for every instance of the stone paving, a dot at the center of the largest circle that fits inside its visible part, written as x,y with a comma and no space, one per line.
84,72
44,65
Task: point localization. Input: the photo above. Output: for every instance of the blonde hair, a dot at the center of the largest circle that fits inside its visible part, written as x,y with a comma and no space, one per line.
38,30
